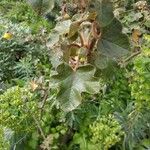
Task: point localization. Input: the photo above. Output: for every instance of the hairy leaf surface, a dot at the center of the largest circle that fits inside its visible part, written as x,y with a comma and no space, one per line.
104,11
73,83
113,43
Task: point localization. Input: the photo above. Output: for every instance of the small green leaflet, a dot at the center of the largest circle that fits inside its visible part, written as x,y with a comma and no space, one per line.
72,83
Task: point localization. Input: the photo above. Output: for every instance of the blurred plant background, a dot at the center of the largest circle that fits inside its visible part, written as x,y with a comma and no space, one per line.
117,118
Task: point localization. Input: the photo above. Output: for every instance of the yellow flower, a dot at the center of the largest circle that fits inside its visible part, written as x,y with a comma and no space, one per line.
7,36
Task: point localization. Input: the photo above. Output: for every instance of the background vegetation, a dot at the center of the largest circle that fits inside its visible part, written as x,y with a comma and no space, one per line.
111,108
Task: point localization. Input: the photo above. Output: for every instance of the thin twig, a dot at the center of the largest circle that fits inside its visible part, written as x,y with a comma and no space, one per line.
37,123
39,127
82,40
14,147
124,62
77,64
132,56
44,99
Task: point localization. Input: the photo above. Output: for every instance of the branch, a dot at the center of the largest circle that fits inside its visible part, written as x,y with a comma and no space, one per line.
96,33
39,127
37,123
129,58
90,48
82,40
132,56
44,100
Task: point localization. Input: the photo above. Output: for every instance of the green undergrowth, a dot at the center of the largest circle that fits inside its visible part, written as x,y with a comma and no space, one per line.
55,95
